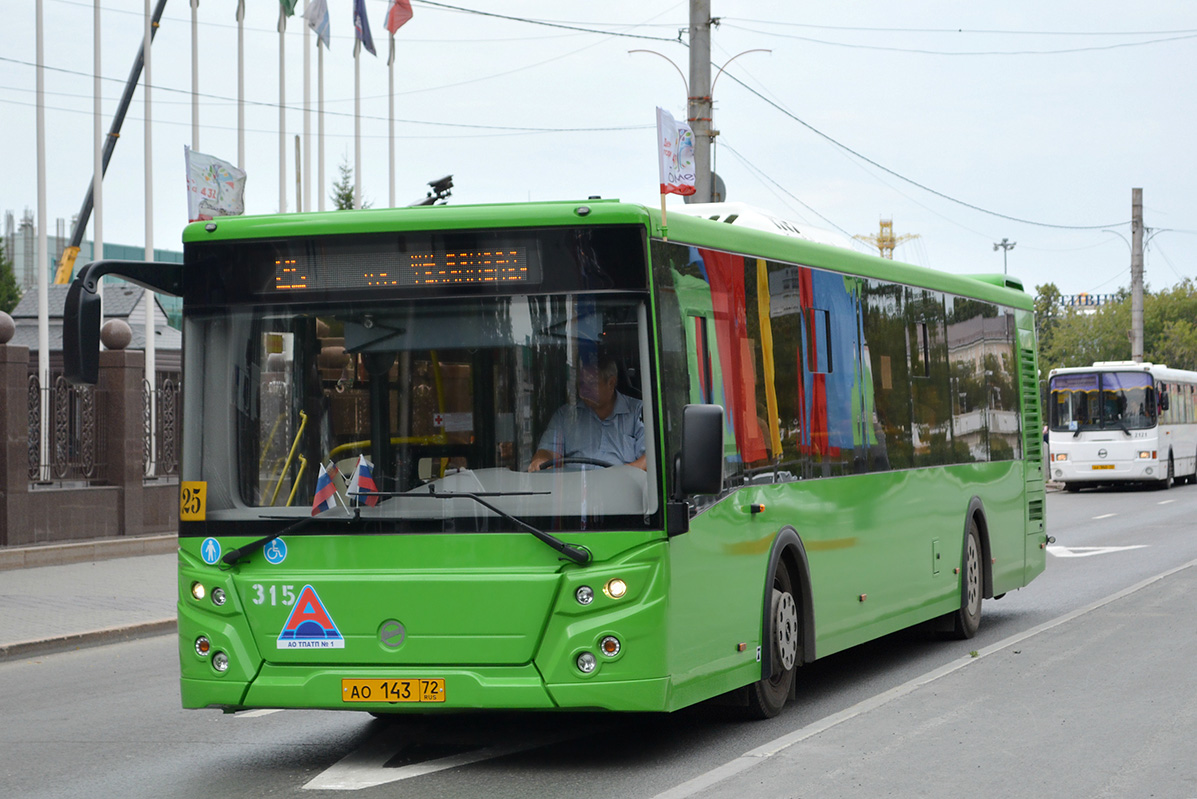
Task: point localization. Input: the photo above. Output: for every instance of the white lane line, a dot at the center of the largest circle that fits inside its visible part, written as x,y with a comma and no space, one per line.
365,767
1104,516
1084,552
777,745
1165,502
253,714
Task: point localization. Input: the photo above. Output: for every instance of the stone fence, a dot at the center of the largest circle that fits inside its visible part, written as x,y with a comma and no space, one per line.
94,483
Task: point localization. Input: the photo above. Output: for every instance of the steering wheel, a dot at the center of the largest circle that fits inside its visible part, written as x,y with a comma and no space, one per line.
553,464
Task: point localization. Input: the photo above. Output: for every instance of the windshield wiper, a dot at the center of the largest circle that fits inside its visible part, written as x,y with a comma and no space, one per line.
579,555
233,555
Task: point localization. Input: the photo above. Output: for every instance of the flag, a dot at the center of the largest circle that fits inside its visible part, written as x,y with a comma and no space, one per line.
214,187
397,14
316,14
326,492
361,26
288,7
362,484
675,146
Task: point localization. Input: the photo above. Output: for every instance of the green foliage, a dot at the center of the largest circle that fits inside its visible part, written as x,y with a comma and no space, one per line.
342,193
1068,337
10,292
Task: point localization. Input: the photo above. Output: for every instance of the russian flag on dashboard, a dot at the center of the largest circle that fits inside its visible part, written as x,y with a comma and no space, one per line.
326,492
362,484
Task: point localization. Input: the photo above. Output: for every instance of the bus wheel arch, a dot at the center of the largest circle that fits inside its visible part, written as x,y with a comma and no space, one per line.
786,605
976,573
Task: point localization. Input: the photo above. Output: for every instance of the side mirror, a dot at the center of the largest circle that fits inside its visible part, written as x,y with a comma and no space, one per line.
1163,401
701,458
81,335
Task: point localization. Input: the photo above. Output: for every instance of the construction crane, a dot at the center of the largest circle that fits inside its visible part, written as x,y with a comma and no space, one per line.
885,241
66,264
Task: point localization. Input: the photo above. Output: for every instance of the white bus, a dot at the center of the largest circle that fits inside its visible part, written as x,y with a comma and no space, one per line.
1122,421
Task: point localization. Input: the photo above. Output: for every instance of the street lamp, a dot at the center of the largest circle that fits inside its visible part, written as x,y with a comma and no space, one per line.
1006,246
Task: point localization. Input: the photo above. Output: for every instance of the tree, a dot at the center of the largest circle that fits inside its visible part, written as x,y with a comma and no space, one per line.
342,194
1048,311
10,292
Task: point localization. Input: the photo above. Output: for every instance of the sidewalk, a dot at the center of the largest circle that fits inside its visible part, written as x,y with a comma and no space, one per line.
62,597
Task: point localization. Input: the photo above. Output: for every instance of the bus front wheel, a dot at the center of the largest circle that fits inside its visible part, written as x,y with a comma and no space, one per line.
768,696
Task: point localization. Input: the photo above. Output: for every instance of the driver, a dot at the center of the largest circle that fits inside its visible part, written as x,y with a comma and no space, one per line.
604,426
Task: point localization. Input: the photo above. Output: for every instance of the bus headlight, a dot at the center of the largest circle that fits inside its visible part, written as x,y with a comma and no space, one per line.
197,590
1146,455
218,597
586,662
220,661
1060,456
615,588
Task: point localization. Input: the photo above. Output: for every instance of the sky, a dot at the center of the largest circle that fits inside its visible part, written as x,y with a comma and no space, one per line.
965,123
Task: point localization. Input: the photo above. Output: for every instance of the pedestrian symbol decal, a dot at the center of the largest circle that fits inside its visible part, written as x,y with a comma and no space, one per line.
275,552
210,551
309,626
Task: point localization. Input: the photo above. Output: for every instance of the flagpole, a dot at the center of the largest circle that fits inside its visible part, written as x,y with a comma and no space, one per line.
282,111
357,124
194,75
148,296
43,256
320,124
97,180
391,118
307,113
241,84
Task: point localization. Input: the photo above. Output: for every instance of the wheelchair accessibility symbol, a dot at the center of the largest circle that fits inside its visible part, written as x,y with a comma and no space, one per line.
275,552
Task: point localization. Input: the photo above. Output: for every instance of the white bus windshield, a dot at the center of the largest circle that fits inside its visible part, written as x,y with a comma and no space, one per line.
1102,400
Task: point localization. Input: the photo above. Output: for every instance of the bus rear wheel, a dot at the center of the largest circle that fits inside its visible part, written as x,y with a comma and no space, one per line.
968,618
767,696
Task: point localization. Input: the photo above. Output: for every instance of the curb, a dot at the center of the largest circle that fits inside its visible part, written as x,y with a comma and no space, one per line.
86,551
73,641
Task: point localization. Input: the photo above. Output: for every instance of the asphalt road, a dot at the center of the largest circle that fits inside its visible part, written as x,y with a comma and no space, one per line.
106,721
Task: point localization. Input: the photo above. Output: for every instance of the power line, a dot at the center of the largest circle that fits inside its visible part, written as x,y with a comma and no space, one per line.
548,24
985,31
920,51
905,179
274,106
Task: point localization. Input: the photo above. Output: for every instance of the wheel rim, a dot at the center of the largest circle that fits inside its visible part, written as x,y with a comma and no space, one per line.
972,576
785,631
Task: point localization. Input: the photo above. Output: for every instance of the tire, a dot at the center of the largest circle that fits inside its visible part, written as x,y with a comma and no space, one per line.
968,617
1166,483
767,696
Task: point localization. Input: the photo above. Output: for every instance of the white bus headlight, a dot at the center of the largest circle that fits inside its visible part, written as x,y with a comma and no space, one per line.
1060,456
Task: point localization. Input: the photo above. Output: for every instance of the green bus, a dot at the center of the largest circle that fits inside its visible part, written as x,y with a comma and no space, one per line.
832,447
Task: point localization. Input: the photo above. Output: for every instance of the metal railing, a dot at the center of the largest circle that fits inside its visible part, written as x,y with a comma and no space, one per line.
72,446
160,424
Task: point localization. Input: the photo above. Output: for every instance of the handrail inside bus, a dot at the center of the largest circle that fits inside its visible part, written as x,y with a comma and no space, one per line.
303,422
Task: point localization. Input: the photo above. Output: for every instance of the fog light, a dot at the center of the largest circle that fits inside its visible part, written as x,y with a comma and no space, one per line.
202,645
586,662
1059,473
1149,470
218,597
584,595
609,646
197,590
220,661
615,588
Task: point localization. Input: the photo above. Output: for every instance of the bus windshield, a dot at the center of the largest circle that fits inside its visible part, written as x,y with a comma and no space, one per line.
433,396
1102,400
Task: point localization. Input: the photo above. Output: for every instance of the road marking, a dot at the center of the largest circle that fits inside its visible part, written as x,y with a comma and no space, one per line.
1104,516
778,745
1084,552
366,766
253,714
1165,502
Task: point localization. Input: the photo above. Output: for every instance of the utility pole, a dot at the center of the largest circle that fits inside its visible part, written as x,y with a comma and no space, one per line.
699,104
1006,246
1137,275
